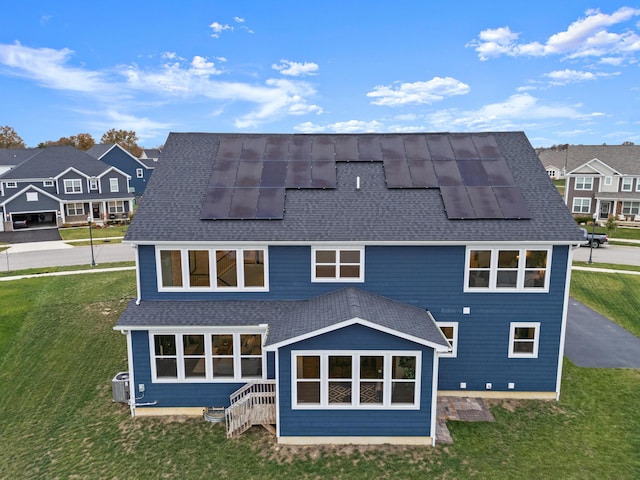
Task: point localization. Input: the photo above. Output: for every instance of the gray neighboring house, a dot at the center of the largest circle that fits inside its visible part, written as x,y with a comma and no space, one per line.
117,156
63,185
601,180
10,157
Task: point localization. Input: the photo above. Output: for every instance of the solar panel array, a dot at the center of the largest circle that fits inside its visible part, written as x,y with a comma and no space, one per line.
251,173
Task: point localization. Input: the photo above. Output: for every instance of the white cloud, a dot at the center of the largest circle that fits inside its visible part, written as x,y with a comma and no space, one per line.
48,67
566,76
200,66
349,126
585,37
295,69
309,127
427,92
218,28
517,112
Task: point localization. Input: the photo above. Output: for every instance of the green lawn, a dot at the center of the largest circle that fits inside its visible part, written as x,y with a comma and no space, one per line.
79,233
58,353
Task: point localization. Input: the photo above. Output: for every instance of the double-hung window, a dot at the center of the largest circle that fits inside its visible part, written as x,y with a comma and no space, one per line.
139,173
508,269
337,264
75,208
356,379
72,185
113,185
206,356
212,269
630,208
523,339
115,206
627,184
581,205
584,183
93,183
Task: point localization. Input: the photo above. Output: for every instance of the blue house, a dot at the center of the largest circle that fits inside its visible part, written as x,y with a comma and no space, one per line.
113,154
334,286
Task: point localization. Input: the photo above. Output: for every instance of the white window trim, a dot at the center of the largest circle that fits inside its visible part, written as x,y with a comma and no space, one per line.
608,180
629,205
69,185
355,380
47,183
208,354
12,184
184,261
584,182
114,206
637,184
454,341
337,278
626,184
114,185
93,183
536,339
581,200
139,173
75,208
520,275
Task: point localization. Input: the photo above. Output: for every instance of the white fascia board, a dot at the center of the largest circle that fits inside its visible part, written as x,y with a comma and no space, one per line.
356,321
114,169
72,169
26,189
193,328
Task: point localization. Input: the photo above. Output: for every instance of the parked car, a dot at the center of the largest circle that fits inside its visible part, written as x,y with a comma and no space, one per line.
594,239
19,224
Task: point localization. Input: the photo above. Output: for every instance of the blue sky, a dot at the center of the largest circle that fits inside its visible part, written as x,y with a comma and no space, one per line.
564,72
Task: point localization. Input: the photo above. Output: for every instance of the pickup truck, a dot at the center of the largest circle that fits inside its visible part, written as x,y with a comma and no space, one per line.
594,239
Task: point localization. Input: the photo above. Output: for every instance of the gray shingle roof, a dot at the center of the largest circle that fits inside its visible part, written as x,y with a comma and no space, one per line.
99,150
374,213
51,161
624,158
15,156
287,319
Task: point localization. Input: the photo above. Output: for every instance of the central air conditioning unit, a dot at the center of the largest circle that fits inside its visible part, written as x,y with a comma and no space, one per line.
120,387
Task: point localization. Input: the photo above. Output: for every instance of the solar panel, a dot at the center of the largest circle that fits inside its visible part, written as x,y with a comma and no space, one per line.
253,148
346,148
392,148
415,147
244,203
498,172
422,173
439,147
249,174
323,174
447,173
217,202
224,173
274,174
456,202
486,145
298,174
484,202
512,203
300,148
397,174
463,147
323,148
369,148
230,148
271,203
276,148
472,173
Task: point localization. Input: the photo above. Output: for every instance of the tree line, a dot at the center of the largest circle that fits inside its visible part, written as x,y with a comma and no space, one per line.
127,139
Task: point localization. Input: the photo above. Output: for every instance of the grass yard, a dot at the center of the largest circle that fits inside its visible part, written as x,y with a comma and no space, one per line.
81,233
58,354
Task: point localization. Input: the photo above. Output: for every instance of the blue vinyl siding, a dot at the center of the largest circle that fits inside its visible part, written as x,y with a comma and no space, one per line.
179,394
354,422
123,162
430,277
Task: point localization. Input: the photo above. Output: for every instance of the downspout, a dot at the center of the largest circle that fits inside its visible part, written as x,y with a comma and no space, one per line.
434,397
139,297
132,382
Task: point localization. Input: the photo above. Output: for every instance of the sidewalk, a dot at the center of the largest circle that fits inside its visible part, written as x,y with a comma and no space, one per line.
52,245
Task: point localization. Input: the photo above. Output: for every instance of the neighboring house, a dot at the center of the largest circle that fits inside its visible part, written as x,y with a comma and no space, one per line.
115,155
10,157
63,185
335,285
555,161
150,156
603,180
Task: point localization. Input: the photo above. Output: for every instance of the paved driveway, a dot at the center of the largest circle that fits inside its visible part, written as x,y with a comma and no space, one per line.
594,341
29,235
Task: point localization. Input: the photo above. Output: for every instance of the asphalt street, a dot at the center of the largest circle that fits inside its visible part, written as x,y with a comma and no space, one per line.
609,254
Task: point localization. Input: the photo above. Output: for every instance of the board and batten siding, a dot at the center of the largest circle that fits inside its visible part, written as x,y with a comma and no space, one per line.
354,422
429,277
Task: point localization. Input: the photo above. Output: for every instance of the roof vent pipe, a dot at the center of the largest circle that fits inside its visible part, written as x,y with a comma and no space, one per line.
357,183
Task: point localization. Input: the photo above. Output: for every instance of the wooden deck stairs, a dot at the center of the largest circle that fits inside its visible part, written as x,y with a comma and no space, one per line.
252,404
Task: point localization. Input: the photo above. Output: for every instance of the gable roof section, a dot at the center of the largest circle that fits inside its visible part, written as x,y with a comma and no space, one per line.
51,161
101,150
28,188
15,156
595,166
374,213
291,320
